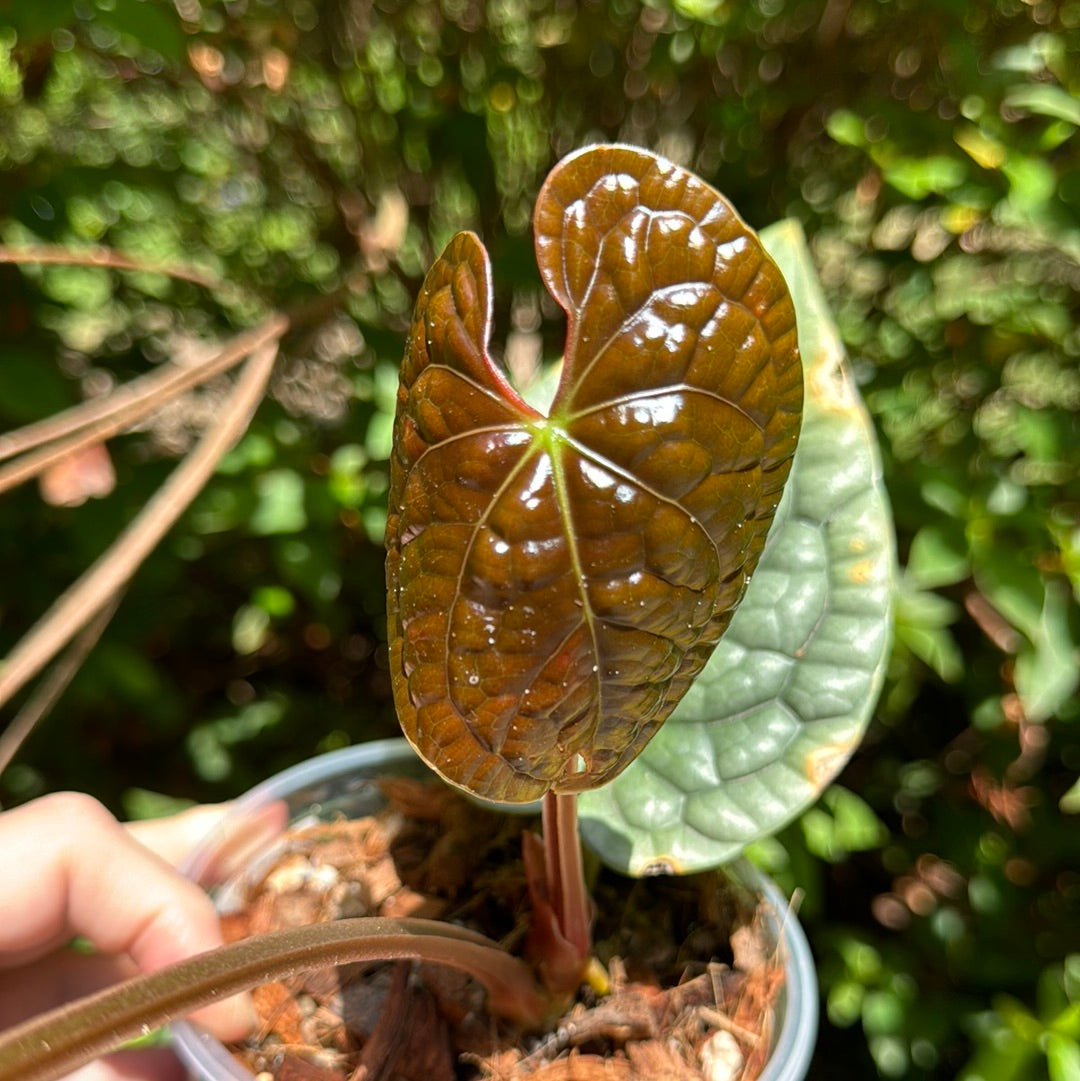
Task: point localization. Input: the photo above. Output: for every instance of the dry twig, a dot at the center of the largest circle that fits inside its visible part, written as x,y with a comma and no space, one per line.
93,590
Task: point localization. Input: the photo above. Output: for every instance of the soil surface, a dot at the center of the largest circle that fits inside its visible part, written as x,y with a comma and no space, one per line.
692,979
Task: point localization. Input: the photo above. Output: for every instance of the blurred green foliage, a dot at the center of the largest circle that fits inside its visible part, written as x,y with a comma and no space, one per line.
293,147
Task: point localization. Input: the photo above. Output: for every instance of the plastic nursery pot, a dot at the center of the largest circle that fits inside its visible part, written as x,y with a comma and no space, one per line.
341,783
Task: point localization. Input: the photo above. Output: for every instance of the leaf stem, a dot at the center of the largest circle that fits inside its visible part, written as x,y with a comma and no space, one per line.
565,869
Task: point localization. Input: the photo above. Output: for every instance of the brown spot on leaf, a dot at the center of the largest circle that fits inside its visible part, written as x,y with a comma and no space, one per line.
862,571
824,763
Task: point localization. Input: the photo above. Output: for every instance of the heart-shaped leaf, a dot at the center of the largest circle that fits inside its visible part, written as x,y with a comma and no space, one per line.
556,583
786,696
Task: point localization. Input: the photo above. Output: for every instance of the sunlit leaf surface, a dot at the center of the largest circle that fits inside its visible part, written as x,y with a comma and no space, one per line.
786,696
555,583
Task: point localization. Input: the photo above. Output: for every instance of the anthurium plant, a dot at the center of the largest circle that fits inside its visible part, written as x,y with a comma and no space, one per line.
565,579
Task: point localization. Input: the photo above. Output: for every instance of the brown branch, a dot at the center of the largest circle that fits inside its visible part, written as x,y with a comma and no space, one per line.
58,255
103,417
87,596
52,686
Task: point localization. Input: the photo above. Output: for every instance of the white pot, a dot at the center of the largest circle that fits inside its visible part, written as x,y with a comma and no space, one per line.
340,783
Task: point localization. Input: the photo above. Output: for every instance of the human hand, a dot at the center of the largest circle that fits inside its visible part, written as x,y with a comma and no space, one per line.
70,869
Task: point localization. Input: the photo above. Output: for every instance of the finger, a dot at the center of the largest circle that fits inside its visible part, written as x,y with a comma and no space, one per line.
174,837
235,838
141,1064
79,872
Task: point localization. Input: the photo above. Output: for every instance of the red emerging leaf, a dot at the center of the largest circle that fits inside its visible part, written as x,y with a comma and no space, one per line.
556,583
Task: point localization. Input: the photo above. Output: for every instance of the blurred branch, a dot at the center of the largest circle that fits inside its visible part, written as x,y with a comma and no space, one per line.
832,21
49,690
100,583
103,417
58,255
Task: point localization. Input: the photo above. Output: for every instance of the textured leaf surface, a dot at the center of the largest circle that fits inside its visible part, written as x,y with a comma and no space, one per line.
787,694
555,582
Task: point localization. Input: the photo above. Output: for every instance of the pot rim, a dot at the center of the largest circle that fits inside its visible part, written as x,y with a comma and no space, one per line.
207,1059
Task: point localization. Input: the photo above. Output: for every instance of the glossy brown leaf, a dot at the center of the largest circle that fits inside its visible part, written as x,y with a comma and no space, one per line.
555,583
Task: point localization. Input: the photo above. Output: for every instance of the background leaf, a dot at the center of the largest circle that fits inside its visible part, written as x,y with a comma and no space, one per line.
786,696
1048,674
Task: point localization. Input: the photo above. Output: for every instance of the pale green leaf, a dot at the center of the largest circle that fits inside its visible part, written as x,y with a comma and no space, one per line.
280,508
937,557
1047,675
1070,802
1062,1058
786,697
1046,100
919,177
922,620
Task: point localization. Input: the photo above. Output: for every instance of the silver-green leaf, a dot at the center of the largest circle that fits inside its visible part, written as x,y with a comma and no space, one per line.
786,697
